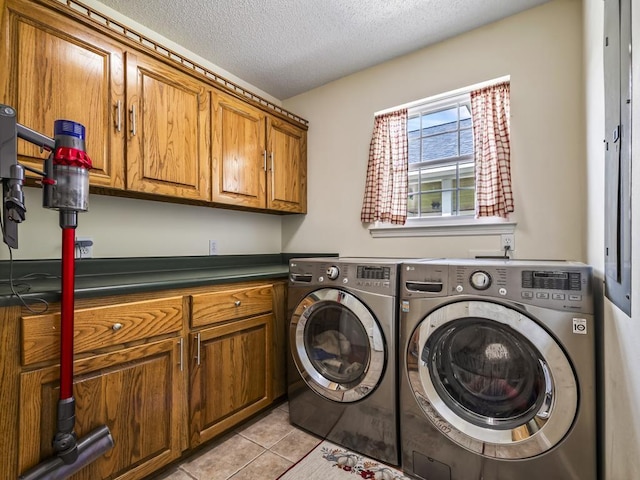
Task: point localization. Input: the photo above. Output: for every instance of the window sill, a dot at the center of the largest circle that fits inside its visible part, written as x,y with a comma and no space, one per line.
443,227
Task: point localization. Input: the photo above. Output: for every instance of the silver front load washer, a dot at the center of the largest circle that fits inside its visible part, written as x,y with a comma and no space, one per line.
497,370
342,363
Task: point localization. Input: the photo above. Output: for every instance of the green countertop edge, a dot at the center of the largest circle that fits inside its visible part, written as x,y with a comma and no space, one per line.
117,276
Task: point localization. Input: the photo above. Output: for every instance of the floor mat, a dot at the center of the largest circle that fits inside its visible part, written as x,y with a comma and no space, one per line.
331,462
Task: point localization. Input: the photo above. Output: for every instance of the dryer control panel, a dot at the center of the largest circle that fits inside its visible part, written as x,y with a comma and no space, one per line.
559,285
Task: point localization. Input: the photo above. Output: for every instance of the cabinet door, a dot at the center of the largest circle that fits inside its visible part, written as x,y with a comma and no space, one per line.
53,68
168,131
239,160
230,375
287,170
137,392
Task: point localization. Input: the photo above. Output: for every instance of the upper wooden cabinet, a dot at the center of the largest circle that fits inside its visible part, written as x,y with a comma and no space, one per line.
52,69
287,167
259,161
239,153
168,130
156,128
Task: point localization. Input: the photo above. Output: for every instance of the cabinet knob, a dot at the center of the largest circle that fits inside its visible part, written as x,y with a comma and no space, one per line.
237,303
116,327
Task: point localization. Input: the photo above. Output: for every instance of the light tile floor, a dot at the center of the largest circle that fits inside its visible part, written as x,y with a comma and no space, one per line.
263,448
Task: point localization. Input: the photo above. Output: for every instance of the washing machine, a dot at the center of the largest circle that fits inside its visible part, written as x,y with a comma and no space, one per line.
497,370
342,368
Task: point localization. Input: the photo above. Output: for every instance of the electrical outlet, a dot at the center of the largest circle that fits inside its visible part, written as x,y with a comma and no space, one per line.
508,242
213,247
84,247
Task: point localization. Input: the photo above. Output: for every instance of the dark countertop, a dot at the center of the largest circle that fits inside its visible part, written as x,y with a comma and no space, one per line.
40,279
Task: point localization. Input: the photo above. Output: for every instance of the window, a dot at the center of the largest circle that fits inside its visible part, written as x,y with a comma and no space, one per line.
441,165
455,152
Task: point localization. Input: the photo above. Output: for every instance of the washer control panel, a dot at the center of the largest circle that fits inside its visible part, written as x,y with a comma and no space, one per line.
560,285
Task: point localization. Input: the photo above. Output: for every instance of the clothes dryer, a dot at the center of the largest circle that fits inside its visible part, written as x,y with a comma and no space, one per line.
342,364
497,370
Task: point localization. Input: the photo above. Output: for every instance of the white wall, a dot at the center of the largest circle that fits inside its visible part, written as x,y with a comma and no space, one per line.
541,50
122,227
621,333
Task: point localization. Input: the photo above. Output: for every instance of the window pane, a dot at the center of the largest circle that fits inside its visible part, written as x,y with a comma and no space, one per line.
442,121
465,114
467,201
413,124
467,170
413,200
440,146
431,202
466,142
414,146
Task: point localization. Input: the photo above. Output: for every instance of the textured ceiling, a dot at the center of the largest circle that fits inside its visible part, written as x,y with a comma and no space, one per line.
286,47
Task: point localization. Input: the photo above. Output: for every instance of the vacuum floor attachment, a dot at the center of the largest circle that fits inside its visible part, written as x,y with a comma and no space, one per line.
90,447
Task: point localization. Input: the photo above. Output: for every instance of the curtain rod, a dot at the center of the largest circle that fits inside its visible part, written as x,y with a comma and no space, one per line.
442,96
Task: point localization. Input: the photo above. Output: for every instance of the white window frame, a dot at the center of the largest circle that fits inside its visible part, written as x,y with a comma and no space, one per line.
453,225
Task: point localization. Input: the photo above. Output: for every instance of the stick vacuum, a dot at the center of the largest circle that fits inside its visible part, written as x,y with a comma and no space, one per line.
66,189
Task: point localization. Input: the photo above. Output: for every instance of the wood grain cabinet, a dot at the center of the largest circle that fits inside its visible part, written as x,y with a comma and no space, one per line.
231,360
287,167
154,129
259,161
166,371
168,128
137,391
54,69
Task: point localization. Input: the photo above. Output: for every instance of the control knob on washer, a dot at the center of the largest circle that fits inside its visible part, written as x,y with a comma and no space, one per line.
480,280
333,272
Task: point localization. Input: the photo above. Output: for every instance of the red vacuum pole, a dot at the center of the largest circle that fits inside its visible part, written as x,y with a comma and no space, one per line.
67,313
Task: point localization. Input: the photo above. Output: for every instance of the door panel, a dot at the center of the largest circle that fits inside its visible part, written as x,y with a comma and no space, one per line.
238,153
49,58
168,131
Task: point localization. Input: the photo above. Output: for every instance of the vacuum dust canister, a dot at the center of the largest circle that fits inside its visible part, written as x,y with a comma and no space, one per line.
67,183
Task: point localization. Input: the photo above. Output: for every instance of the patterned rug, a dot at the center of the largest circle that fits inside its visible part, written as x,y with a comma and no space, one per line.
332,462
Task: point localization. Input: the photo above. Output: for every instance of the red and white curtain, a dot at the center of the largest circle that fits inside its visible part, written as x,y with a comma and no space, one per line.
490,110
386,189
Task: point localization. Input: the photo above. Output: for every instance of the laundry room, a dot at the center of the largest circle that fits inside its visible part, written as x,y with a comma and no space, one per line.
190,294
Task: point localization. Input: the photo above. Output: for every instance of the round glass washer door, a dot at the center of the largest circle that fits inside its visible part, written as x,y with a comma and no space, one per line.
492,379
337,345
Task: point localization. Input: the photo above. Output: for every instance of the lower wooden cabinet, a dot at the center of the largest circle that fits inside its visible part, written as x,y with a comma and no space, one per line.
137,392
230,375
165,371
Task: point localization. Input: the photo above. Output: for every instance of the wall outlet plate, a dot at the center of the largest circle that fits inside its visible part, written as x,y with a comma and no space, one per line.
508,242
84,247
213,247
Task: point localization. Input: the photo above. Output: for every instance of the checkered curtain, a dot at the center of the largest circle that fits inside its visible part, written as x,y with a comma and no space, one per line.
490,108
385,194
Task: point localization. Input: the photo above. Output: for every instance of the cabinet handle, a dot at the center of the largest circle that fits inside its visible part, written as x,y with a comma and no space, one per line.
264,158
181,353
271,156
116,327
198,349
237,303
118,116
133,120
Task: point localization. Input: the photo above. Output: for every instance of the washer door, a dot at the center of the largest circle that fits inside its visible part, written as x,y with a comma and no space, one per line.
337,345
492,379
